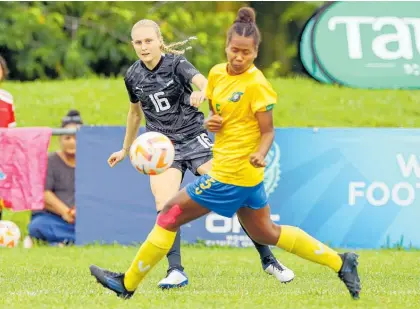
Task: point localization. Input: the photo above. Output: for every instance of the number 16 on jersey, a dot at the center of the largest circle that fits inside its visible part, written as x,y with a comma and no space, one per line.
161,104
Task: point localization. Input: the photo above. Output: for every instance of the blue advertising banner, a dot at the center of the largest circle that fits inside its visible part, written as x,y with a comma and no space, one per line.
356,188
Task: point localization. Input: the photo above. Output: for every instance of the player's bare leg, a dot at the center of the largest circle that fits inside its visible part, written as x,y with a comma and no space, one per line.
164,186
294,240
268,261
205,168
179,210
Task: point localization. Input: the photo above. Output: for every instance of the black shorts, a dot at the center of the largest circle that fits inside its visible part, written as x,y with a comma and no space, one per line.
192,152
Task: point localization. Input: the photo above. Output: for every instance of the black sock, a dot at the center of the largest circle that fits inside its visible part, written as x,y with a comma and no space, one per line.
263,250
174,254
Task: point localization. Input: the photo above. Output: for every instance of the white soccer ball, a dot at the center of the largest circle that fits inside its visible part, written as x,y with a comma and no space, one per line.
152,153
9,234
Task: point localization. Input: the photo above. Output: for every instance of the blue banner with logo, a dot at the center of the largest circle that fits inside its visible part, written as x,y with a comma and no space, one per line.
356,188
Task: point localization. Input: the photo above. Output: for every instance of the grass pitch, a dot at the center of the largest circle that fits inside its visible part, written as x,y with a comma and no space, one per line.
47,277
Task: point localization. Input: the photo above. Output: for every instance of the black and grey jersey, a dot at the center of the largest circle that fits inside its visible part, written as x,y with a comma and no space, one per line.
164,93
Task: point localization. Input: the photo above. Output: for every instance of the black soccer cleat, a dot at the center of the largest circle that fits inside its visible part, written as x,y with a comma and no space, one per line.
110,280
348,273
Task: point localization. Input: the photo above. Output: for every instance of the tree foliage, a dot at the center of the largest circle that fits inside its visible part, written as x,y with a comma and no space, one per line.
43,40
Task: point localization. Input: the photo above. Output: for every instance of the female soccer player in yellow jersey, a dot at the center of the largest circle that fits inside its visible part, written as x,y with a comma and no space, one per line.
242,101
159,87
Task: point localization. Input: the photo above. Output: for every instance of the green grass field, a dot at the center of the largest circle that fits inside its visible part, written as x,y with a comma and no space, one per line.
301,103
219,278
47,277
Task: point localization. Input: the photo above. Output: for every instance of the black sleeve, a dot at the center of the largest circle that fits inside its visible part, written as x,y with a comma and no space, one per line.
185,70
129,86
131,94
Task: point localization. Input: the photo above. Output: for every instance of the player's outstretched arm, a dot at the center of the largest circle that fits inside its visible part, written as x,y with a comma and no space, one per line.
133,125
197,97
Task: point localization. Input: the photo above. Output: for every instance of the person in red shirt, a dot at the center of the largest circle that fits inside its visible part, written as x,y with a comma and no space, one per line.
7,110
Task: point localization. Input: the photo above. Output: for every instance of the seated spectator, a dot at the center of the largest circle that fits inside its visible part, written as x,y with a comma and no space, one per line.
55,224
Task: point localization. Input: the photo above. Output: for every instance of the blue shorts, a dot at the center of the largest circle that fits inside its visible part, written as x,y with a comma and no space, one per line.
225,199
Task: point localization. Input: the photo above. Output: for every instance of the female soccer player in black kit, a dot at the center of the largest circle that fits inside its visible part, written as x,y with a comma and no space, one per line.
159,84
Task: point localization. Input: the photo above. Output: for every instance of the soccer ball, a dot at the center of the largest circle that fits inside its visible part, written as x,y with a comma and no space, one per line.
152,153
9,234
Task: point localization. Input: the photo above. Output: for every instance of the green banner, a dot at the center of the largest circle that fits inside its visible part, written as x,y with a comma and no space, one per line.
306,56
365,44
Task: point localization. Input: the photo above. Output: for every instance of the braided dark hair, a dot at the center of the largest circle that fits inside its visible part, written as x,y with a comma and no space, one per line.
244,25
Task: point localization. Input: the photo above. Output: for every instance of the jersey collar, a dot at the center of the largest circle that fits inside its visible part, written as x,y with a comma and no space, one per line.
250,70
157,65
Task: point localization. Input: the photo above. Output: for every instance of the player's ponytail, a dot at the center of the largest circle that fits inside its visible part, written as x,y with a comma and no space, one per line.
245,15
172,48
244,25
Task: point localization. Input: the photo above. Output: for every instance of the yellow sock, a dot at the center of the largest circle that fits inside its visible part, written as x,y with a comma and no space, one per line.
156,246
296,241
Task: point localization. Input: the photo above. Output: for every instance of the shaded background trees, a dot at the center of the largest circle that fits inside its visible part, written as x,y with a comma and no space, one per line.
59,40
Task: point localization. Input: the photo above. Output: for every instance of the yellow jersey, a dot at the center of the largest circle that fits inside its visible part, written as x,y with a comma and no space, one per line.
236,99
